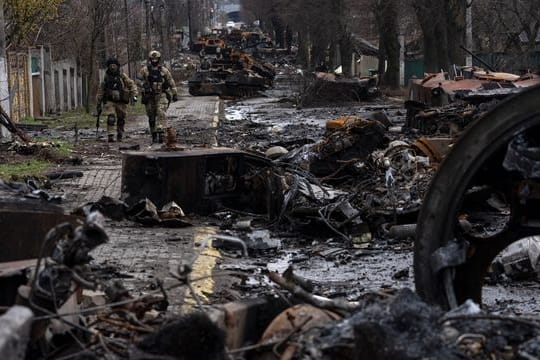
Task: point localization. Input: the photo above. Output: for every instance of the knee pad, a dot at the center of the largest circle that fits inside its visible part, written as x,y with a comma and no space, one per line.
111,120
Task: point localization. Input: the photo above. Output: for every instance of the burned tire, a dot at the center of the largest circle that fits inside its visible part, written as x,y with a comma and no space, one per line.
450,263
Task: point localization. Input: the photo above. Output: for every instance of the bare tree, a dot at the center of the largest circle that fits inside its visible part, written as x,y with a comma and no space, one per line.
443,28
386,17
511,28
83,31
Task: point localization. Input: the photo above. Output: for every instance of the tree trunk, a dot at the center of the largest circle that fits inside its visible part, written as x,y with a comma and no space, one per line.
386,13
318,49
443,27
346,49
456,13
288,39
303,49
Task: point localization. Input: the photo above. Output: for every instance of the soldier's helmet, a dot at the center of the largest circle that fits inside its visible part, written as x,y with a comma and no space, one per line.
154,55
112,61
113,65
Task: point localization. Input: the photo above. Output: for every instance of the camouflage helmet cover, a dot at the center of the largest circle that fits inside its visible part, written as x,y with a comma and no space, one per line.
154,55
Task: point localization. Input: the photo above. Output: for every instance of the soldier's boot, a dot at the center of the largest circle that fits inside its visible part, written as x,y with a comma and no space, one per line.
111,122
120,129
152,125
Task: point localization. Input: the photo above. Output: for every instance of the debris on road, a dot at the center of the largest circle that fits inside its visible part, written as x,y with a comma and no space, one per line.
292,239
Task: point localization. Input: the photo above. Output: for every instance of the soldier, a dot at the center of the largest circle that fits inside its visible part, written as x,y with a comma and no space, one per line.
115,92
158,90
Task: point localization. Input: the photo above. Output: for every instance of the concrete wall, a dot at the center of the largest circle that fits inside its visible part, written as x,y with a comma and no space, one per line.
61,83
4,94
67,87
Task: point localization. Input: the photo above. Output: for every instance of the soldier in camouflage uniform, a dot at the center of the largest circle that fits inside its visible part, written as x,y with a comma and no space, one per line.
114,93
158,90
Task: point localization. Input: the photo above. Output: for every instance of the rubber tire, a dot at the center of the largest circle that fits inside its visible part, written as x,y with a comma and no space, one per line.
444,197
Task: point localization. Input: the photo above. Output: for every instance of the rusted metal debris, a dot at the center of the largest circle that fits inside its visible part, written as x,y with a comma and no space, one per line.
325,88
475,86
490,179
381,181
143,212
199,180
20,241
234,74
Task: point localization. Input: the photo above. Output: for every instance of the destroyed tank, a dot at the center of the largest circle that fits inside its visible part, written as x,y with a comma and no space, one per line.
205,83
235,74
227,83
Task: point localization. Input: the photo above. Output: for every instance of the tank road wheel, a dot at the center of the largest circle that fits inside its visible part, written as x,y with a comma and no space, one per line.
501,202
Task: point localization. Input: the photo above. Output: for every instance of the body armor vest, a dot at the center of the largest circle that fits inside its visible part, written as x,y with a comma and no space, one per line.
115,90
157,80
113,87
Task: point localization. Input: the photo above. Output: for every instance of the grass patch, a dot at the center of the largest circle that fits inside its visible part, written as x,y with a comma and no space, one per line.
23,169
78,117
81,118
65,148
137,109
39,159
61,147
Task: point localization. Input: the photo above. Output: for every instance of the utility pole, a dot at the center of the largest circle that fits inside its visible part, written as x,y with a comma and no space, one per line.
126,14
4,84
148,31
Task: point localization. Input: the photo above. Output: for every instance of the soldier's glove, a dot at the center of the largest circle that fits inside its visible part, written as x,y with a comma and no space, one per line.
174,98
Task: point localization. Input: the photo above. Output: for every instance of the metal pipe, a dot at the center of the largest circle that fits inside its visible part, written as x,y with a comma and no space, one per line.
490,68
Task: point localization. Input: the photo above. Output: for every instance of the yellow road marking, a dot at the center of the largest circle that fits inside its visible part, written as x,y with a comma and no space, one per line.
203,266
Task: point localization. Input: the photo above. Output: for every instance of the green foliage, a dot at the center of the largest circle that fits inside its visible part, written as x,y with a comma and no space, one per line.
16,170
27,16
78,117
64,148
29,120
137,109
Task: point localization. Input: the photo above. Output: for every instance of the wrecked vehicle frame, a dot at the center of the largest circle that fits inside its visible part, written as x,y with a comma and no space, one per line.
495,158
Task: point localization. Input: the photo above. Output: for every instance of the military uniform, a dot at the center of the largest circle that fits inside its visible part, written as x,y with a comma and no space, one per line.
115,92
158,90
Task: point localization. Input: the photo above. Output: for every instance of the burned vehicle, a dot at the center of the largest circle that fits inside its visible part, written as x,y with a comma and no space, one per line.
490,180
234,73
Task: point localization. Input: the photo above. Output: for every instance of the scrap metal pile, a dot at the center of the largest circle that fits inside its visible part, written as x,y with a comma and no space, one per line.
324,88
227,68
438,104
66,307
339,196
